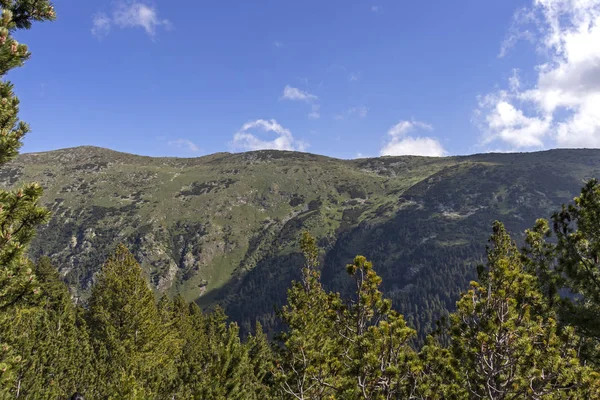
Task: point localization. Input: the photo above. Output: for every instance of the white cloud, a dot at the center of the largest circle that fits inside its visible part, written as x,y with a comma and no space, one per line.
523,27
131,14
277,44
139,15
184,144
101,25
292,93
403,127
562,107
505,122
315,112
375,9
359,111
245,140
514,82
399,144
414,146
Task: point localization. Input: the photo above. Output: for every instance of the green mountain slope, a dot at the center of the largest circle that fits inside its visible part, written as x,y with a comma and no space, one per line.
224,228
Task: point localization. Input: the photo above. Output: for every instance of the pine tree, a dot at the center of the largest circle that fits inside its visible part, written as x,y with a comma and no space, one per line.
539,259
436,376
183,323
505,337
213,363
55,349
375,341
136,351
228,373
343,349
575,266
20,212
308,365
262,360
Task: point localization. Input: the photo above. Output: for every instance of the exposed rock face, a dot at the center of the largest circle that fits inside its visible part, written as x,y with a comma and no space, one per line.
224,227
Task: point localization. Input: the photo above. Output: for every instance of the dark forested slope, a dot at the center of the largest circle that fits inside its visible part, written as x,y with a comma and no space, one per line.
224,228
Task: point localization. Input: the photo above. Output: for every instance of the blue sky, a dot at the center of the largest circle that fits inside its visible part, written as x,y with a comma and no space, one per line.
344,78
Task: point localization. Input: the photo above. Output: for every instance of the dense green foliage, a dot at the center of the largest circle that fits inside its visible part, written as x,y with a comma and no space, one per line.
505,341
335,348
505,337
19,209
566,258
130,340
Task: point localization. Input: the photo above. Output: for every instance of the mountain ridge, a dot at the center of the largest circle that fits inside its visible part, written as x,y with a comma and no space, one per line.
223,228
227,153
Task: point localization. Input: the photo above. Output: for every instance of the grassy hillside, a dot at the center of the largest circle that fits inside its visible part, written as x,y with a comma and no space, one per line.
224,228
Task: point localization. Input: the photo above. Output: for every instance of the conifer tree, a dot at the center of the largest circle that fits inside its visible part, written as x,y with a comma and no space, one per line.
183,323
575,266
55,348
213,363
262,360
308,365
376,354
135,350
355,349
505,338
228,373
436,376
20,212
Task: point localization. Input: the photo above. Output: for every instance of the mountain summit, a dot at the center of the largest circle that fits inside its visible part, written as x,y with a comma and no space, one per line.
224,228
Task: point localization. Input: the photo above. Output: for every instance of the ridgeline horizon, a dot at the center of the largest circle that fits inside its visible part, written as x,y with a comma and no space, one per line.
102,148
